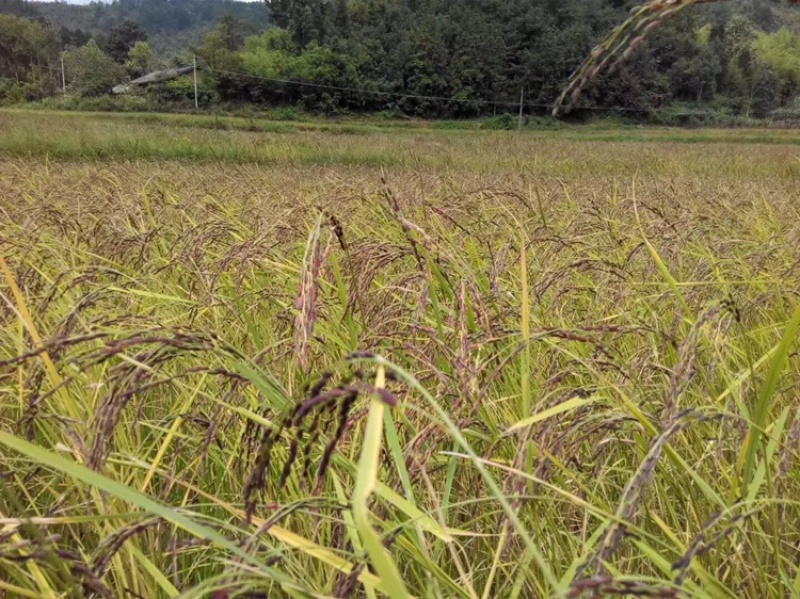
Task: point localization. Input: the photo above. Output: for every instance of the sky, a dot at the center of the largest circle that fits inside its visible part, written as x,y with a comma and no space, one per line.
90,1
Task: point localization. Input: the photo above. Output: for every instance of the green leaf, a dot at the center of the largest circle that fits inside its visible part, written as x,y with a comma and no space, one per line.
567,406
366,480
125,493
494,488
760,414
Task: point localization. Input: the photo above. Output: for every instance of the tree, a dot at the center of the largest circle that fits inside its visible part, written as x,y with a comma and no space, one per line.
91,72
229,34
306,20
171,25
456,59
780,51
122,38
27,49
73,38
141,60
21,8
625,40
280,11
220,54
341,18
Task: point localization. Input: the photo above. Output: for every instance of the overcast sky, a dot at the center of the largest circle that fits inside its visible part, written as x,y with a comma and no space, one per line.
90,1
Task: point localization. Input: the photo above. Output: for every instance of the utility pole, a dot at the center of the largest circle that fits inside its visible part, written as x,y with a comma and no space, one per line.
194,65
521,106
63,76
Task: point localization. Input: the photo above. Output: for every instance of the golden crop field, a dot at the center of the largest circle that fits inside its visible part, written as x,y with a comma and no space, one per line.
250,359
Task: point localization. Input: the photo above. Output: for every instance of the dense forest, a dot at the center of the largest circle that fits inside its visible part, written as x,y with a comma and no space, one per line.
433,58
172,26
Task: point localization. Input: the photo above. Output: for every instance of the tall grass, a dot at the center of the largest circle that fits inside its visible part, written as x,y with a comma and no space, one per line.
501,366
231,140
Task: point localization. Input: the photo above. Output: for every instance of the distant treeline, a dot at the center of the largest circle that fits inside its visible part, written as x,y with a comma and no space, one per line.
433,58
171,25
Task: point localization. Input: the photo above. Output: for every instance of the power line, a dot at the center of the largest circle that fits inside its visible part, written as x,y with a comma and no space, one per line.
474,101
358,90
521,104
481,102
406,96
399,95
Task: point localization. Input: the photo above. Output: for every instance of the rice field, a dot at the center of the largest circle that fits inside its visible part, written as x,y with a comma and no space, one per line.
359,360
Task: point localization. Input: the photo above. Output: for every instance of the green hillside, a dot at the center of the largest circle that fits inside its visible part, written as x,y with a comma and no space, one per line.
171,25
428,58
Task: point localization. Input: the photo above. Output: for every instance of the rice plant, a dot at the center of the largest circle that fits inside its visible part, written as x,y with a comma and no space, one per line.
620,44
433,366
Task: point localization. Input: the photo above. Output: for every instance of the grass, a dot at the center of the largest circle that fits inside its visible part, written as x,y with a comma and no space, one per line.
657,152
398,363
